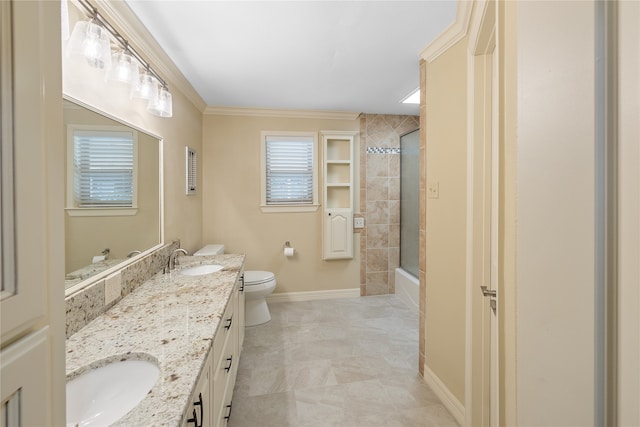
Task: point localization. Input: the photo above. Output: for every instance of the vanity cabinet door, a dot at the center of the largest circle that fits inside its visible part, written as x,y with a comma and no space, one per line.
225,360
240,313
199,413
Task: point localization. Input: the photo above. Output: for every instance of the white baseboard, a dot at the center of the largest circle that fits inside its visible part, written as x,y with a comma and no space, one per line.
313,295
448,399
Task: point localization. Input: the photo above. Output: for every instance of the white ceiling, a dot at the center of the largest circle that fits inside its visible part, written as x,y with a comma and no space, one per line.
358,56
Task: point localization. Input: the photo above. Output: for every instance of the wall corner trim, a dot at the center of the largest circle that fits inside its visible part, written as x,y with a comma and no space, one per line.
442,391
292,114
452,34
128,24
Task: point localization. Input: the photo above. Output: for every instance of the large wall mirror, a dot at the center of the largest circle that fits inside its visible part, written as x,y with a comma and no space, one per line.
113,195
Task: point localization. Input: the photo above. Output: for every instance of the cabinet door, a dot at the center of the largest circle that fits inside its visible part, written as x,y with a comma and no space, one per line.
199,413
338,234
25,383
22,170
240,315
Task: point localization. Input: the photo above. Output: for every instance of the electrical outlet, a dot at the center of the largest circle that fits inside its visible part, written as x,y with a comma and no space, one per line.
112,288
433,190
358,223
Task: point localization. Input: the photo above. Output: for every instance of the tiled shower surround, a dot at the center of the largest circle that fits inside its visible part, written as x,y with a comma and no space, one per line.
380,199
87,304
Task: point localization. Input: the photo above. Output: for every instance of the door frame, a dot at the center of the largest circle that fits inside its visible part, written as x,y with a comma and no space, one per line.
482,153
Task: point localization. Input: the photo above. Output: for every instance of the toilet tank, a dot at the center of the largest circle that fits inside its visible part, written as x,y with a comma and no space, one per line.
210,250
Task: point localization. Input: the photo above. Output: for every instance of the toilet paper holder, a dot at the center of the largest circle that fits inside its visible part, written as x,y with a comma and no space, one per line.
287,244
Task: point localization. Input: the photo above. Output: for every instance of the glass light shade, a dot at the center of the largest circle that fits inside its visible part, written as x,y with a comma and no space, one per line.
91,41
124,68
146,87
163,105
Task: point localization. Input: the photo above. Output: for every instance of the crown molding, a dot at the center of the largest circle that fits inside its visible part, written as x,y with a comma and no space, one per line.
292,114
128,24
452,34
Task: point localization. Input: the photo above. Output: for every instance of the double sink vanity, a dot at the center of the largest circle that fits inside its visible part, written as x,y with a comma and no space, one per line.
166,354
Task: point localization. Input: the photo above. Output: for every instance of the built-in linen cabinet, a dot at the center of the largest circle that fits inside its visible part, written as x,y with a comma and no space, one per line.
211,400
338,173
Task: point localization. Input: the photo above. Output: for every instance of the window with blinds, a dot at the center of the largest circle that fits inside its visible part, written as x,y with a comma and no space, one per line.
289,169
103,165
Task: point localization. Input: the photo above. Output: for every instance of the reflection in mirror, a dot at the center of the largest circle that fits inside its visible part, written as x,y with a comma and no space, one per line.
113,194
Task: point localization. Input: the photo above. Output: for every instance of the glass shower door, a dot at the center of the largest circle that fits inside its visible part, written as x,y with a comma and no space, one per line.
410,202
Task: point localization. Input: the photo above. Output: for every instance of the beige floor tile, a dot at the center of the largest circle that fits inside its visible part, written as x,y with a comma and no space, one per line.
349,362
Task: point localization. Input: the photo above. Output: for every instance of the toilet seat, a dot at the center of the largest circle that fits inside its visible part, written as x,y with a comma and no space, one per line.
254,278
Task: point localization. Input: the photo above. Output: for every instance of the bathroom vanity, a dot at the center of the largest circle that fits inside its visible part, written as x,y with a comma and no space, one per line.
190,326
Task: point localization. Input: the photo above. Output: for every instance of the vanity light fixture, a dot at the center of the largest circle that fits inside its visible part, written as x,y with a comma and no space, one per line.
124,67
146,87
93,38
163,105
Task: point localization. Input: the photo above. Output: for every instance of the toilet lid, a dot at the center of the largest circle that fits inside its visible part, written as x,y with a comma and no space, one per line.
257,277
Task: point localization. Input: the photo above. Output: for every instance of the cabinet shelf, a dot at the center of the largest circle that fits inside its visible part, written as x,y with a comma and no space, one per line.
337,224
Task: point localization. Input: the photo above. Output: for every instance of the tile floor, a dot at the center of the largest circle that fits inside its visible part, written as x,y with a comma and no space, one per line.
344,362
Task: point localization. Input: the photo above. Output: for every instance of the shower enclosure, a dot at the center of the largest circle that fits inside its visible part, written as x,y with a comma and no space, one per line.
410,202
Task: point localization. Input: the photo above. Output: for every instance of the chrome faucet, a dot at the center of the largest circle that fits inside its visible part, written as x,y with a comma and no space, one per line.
173,258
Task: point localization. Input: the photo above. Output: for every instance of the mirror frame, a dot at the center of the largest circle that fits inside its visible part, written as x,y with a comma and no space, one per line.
103,274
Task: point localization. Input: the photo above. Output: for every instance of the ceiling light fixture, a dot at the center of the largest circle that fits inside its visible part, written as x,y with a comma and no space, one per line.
412,98
92,40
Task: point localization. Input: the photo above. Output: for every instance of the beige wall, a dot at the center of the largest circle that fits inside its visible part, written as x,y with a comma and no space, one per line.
182,214
232,215
446,140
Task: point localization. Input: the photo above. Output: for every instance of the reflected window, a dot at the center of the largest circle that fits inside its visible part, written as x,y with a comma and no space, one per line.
103,169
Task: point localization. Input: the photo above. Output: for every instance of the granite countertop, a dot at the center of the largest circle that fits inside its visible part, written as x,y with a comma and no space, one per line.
171,320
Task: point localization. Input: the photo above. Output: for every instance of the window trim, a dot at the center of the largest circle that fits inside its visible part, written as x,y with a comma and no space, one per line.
283,208
71,208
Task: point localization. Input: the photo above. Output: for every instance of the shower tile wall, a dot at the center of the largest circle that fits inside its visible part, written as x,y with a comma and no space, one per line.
380,199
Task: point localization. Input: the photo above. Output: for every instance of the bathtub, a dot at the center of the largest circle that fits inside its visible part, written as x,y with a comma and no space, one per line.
408,288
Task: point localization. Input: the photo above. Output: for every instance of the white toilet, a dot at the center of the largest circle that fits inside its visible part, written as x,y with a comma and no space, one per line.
257,285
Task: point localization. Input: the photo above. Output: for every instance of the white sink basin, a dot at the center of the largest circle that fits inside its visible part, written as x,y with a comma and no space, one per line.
201,270
104,395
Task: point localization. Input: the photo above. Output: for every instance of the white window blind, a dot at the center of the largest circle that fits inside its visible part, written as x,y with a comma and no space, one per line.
103,168
289,170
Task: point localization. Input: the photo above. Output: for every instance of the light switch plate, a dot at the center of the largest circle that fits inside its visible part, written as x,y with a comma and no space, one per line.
433,190
358,223
112,288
